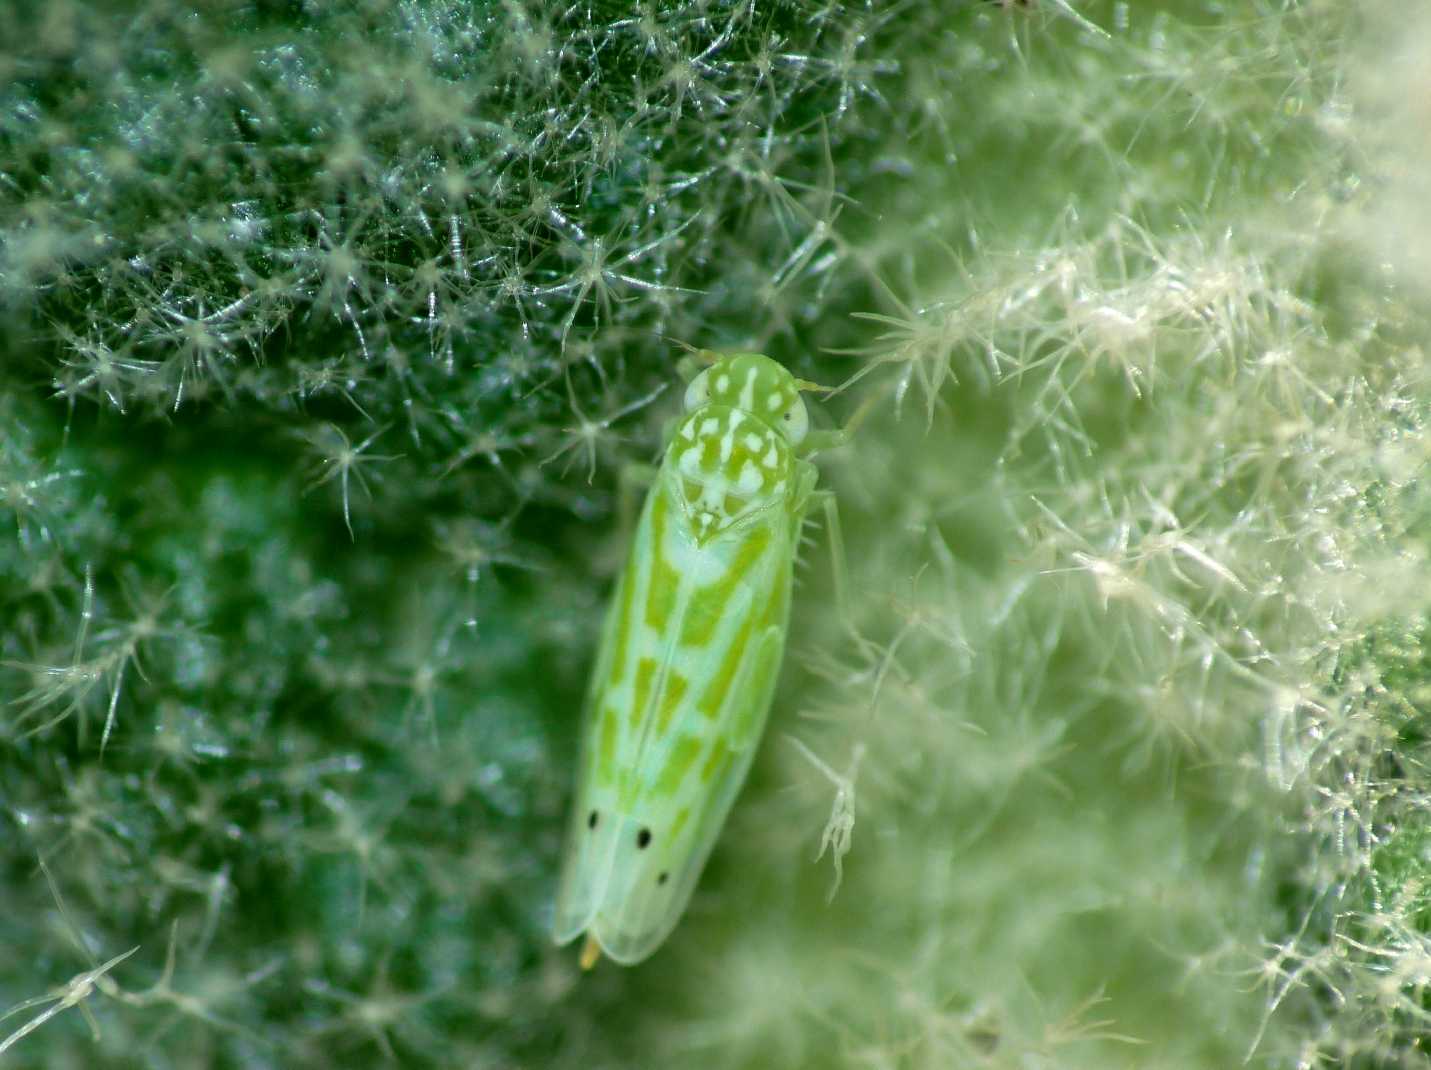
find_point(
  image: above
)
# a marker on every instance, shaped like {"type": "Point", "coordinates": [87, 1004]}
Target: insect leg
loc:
{"type": "Point", "coordinates": [819, 441]}
{"type": "Point", "coordinates": [839, 565]}
{"type": "Point", "coordinates": [839, 569]}
{"type": "Point", "coordinates": [633, 480]}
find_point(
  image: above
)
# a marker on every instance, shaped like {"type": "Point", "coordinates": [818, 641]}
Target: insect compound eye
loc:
{"type": "Point", "coordinates": [699, 392]}
{"type": "Point", "coordinates": [643, 839]}
{"type": "Point", "coordinates": [795, 422]}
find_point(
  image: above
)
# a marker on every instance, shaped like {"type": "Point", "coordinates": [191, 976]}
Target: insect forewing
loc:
{"type": "Point", "coordinates": [687, 777]}
{"type": "Point", "coordinates": [590, 841]}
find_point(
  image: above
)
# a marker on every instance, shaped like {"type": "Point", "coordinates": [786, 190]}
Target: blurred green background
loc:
{"type": "Point", "coordinates": [325, 331]}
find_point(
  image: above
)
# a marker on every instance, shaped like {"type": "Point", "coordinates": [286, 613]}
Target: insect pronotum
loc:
{"type": "Point", "coordinates": [689, 654]}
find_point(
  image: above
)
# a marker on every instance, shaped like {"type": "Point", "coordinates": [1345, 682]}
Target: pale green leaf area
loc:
{"type": "Point", "coordinates": [326, 332]}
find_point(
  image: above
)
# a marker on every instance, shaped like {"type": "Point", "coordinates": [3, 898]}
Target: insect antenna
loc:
{"type": "Point", "coordinates": [805, 386]}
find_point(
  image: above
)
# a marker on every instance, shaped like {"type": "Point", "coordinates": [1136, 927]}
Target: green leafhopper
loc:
{"type": "Point", "coordinates": [688, 655]}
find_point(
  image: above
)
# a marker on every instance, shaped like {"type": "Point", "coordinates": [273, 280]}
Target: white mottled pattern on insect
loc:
{"type": "Point", "coordinates": [730, 465]}
{"type": "Point", "coordinates": [689, 656]}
